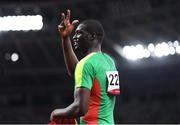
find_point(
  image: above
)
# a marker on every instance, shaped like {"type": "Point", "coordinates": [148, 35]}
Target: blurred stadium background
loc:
{"type": "Point", "coordinates": [141, 35]}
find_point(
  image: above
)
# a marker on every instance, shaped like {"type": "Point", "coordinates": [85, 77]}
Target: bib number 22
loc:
{"type": "Point", "coordinates": [113, 82]}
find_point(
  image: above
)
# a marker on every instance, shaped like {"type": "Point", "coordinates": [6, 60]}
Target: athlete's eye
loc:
{"type": "Point", "coordinates": [78, 32]}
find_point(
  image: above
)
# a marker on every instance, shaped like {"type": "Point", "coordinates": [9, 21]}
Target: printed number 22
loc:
{"type": "Point", "coordinates": [114, 79]}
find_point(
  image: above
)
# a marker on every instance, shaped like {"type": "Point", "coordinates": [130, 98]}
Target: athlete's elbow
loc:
{"type": "Point", "coordinates": [81, 111]}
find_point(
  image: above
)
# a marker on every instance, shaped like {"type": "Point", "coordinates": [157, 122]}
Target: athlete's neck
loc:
{"type": "Point", "coordinates": [96, 48]}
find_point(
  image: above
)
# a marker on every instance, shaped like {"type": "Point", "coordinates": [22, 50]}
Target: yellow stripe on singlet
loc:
{"type": "Point", "coordinates": [79, 70]}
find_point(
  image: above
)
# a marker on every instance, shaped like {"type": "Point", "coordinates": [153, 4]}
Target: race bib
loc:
{"type": "Point", "coordinates": [113, 82]}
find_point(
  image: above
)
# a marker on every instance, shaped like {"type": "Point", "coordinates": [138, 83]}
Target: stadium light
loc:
{"type": "Point", "coordinates": [163, 49]}
{"type": "Point", "coordinates": [178, 49]}
{"type": "Point", "coordinates": [170, 44]}
{"type": "Point", "coordinates": [172, 50]}
{"type": "Point", "coordinates": [135, 52]}
{"type": "Point", "coordinates": [159, 50]}
{"type": "Point", "coordinates": [176, 43]}
{"type": "Point", "coordinates": [128, 52]}
{"type": "Point", "coordinates": [17, 23]}
{"type": "Point", "coordinates": [151, 47]}
{"type": "Point", "coordinates": [139, 49]}
{"type": "Point", "coordinates": [14, 57]}
{"type": "Point", "coordinates": [7, 56]}
{"type": "Point", "coordinates": [147, 54]}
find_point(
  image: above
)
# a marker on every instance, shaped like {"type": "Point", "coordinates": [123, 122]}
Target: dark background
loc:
{"type": "Point", "coordinates": [38, 82]}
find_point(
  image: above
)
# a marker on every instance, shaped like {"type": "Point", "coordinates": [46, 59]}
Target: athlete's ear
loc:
{"type": "Point", "coordinates": [92, 36]}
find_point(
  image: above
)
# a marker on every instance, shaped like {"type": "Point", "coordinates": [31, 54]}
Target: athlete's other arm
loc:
{"type": "Point", "coordinates": [65, 29]}
{"type": "Point", "coordinates": [78, 108]}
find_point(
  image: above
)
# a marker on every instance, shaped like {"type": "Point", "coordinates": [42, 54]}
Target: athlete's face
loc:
{"type": "Point", "coordinates": [80, 38]}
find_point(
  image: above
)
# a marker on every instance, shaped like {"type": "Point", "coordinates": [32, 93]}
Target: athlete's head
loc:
{"type": "Point", "coordinates": [89, 34]}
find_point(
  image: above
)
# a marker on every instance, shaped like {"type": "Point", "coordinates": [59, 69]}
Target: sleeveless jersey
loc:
{"type": "Point", "coordinates": [91, 73]}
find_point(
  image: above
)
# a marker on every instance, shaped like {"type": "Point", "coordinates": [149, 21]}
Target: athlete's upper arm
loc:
{"type": "Point", "coordinates": [81, 97]}
{"type": "Point", "coordinates": [84, 76]}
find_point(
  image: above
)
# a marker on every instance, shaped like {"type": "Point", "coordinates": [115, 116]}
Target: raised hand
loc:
{"type": "Point", "coordinates": [66, 27]}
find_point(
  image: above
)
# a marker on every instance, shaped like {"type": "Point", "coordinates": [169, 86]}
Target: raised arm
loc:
{"type": "Point", "coordinates": [65, 29]}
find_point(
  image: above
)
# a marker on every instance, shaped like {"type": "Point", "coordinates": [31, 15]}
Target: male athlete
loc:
{"type": "Point", "coordinates": [96, 77]}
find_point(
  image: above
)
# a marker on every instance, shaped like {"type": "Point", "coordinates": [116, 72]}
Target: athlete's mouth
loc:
{"type": "Point", "coordinates": [75, 42]}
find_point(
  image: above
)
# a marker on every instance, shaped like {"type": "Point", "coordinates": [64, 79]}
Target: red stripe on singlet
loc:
{"type": "Point", "coordinates": [91, 116]}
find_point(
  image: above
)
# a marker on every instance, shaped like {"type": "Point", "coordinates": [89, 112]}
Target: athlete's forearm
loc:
{"type": "Point", "coordinates": [72, 111]}
{"type": "Point", "coordinates": [70, 57]}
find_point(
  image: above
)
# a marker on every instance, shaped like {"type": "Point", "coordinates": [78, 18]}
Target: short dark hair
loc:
{"type": "Point", "coordinates": [94, 26]}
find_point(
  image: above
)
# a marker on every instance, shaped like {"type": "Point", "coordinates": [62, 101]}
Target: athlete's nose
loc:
{"type": "Point", "coordinates": [74, 37]}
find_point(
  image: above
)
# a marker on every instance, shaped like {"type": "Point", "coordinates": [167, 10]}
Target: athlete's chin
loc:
{"type": "Point", "coordinates": [76, 47]}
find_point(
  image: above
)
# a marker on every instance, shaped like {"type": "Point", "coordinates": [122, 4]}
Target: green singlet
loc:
{"type": "Point", "coordinates": [91, 73]}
